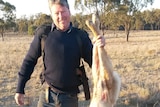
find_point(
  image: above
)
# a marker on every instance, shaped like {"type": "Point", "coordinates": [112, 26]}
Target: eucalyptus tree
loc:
{"type": "Point", "coordinates": [157, 18]}
{"type": "Point", "coordinates": [29, 25]}
{"type": "Point", "coordinates": [149, 18]}
{"type": "Point", "coordinates": [152, 18]}
{"type": "Point", "coordinates": [125, 10]}
{"type": "Point", "coordinates": [102, 7]}
{"type": "Point", "coordinates": [78, 20]}
{"type": "Point", "coordinates": [2, 25]}
{"type": "Point", "coordinates": [42, 18]}
{"type": "Point", "coordinates": [139, 22]}
{"type": "Point", "coordinates": [96, 5]}
{"type": "Point", "coordinates": [7, 16]}
{"type": "Point", "coordinates": [22, 24]}
{"type": "Point", "coordinates": [36, 20]}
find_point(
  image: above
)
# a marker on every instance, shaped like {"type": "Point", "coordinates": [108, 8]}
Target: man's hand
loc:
{"type": "Point", "coordinates": [99, 41]}
{"type": "Point", "coordinates": [19, 98]}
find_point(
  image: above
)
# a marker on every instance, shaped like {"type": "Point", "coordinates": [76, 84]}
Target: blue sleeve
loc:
{"type": "Point", "coordinates": [29, 63]}
{"type": "Point", "coordinates": [87, 48]}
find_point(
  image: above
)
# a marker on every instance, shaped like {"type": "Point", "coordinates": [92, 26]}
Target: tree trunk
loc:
{"type": "Point", "coordinates": [2, 36]}
{"type": "Point", "coordinates": [127, 35]}
{"type": "Point", "coordinates": [127, 30]}
{"type": "Point", "coordinates": [152, 28]}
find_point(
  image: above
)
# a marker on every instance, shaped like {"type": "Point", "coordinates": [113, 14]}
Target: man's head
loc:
{"type": "Point", "coordinates": [60, 13]}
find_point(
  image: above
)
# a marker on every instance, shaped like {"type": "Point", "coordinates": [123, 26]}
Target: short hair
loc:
{"type": "Point", "coordinates": [61, 2]}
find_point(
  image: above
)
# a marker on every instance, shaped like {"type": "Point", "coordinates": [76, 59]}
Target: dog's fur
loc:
{"type": "Point", "coordinates": [106, 81]}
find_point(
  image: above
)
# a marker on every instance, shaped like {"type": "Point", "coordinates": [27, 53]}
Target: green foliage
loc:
{"type": "Point", "coordinates": [7, 16]}
{"type": "Point", "coordinates": [152, 17]}
{"type": "Point", "coordinates": [139, 21]}
{"type": "Point", "coordinates": [112, 14]}
{"type": "Point", "coordinates": [42, 19]}
{"type": "Point", "coordinates": [79, 21]}
{"type": "Point", "coordinates": [31, 29]}
{"type": "Point", "coordinates": [22, 24]}
{"type": "Point", "coordinates": [96, 5]}
{"type": "Point", "coordinates": [120, 12]}
{"type": "Point", "coordinates": [30, 24]}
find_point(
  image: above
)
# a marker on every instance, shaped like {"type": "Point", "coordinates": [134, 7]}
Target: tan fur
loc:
{"type": "Point", "coordinates": [106, 82]}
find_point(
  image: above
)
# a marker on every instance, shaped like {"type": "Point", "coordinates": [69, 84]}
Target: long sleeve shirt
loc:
{"type": "Point", "coordinates": [61, 58]}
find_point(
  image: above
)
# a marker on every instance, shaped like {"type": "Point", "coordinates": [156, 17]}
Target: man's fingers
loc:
{"type": "Point", "coordinates": [19, 98]}
{"type": "Point", "coordinates": [99, 41]}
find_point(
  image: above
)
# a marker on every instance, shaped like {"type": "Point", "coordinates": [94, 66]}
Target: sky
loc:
{"type": "Point", "coordinates": [32, 7]}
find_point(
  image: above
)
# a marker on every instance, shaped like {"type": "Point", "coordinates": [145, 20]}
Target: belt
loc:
{"type": "Point", "coordinates": [61, 93]}
{"type": "Point", "coordinates": [48, 89]}
{"type": "Point", "coordinates": [56, 91]}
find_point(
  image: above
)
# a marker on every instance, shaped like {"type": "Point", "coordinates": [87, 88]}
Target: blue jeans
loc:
{"type": "Point", "coordinates": [57, 99]}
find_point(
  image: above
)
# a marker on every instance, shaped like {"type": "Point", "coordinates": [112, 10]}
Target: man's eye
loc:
{"type": "Point", "coordinates": [56, 13]}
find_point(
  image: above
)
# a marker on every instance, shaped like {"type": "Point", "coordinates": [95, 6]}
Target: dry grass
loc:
{"type": "Point", "coordinates": [137, 62]}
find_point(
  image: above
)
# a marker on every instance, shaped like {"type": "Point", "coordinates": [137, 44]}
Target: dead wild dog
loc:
{"type": "Point", "coordinates": [106, 81]}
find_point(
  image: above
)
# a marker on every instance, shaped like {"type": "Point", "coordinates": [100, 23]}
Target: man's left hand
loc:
{"type": "Point", "coordinates": [99, 41]}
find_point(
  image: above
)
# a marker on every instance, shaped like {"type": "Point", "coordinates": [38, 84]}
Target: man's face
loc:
{"type": "Point", "coordinates": [61, 16]}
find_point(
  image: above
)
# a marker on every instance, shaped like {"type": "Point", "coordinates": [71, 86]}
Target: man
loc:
{"type": "Point", "coordinates": [61, 58]}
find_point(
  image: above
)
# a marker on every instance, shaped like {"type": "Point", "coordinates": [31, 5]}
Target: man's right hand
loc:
{"type": "Point", "coordinates": [19, 98]}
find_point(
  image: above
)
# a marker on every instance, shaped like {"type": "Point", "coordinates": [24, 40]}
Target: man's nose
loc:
{"type": "Point", "coordinates": [60, 14]}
